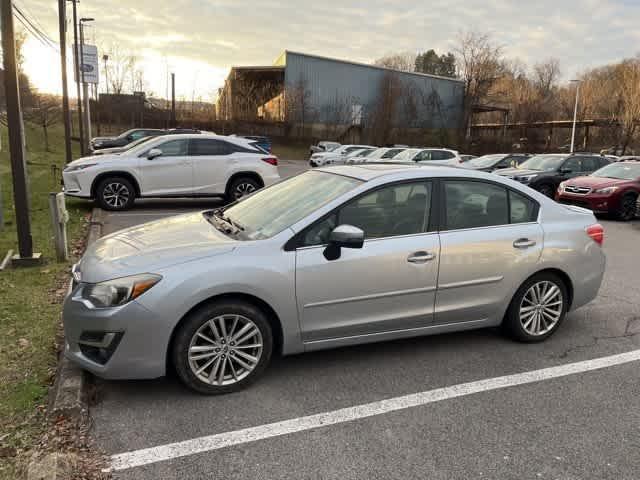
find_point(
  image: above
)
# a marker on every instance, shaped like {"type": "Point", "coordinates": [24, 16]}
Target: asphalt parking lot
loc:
{"type": "Point", "coordinates": [577, 426]}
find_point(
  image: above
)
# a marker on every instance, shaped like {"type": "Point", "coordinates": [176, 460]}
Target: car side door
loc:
{"type": "Point", "coordinates": [386, 286]}
{"type": "Point", "coordinates": [168, 174]}
{"type": "Point", "coordinates": [571, 168]}
{"type": "Point", "coordinates": [490, 242]}
{"type": "Point", "coordinates": [212, 160]}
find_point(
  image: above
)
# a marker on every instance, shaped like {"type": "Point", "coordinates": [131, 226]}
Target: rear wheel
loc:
{"type": "Point", "coordinates": [115, 193]}
{"type": "Point", "coordinates": [627, 208]}
{"type": "Point", "coordinates": [241, 187]}
{"type": "Point", "coordinates": [222, 347]}
{"type": "Point", "coordinates": [537, 309]}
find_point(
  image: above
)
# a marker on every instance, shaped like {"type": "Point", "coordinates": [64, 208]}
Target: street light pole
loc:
{"type": "Point", "coordinates": [575, 114]}
{"type": "Point", "coordinates": [77, 68]}
{"type": "Point", "coordinates": [85, 89]}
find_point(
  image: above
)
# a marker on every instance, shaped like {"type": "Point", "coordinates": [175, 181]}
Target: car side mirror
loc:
{"type": "Point", "coordinates": [153, 153]}
{"type": "Point", "coordinates": [343, 236]}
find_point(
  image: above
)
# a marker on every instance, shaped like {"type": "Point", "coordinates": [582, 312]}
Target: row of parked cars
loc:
{"type": "Point", "coordinates": [601, 183]}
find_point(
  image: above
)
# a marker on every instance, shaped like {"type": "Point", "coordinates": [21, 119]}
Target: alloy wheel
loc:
{"type": "Point", "coordinates": [116, 194]}
{"type": "Point", "coordinates": [541, 308]}
{"type": "Point", "coordinates": [243, 189]}
{"type": "Point", "coordinates": [225, 349]}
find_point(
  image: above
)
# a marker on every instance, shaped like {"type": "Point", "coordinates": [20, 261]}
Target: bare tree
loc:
{"type": "Point", "coordinates": [405, 61]}
{"type": "Point", "coordinates": [546, 75]}
{"type": "Point", "coordinates": [480, 66]}
{"type": "Point", "coordinates": [120, 69]}
{"type": "Point", "coordinates": [630, 96]}
{"type": "Point", "coordinates": [45, 113]}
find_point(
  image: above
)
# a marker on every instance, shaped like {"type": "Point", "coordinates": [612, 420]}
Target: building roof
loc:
{"type": "Point", "coordinates": [375, 67]}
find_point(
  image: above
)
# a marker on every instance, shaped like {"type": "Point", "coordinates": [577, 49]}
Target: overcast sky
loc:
{"type": "Point", "coordinates": [201, 39]}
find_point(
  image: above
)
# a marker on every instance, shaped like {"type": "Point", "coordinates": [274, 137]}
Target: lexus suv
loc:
{"type": "Point", "coordinates": [613, 189]}
{"type": "Point", "coordinates": [181, 165]}
{"type": "Point", "coordinates": [544, 173]}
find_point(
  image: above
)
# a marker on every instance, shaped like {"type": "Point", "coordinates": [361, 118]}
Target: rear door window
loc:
{"type": "Point", "coordinates": [470, 204]}
{"type": "Point", "coordinates": [208, 147]}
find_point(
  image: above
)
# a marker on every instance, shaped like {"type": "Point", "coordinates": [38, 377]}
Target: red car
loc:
{"type": "Point", "coordinates": [613, 189]}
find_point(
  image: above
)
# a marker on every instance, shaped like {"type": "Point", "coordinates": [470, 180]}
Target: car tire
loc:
{"type": "Point", "coordinates": [627, 209]}
{"type": "Point", "coordinates": [115, 193]}
{"type": "Point", "coordinates": [230, 352]}
{"type": "Point", "coordinates": [547, 190]}
{"type": "Point", "coordinates": [241, 187]}
{"type": "Point", "coordinates": [528, 321]}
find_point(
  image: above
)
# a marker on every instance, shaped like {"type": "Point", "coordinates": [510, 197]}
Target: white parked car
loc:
{"type": "Point", "coordinates": [187, 165]}
{"type": "Point", "coordinates": [336, 156]}
{"type": "Point", "coordinates": [382, 154]}
{"type": "Point", "coordinates": [432, 156]}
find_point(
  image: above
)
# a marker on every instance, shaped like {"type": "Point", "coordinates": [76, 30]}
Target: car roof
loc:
{"type": "Point", "coordinates": [372, 170]}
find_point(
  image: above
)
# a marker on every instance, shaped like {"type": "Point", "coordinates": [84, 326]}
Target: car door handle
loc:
{"type": "Point", "coordinates": [420, 257]}
{"type": "Point", "coordinates": [524, 243]}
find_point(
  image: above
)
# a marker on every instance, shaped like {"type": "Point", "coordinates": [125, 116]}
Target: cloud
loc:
{"type": "Point", "coordinates": [206, 36]}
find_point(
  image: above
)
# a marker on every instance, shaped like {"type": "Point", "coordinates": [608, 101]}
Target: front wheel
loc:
{"type": "Point", "coordinates": [115, 193]}
{"type": "Point", "coordinates": [222, 347]}
{"type": "Point", "coordinates": [627, 209]}
{"type": "Point", "coordinates": [537, 309]}
{"type": "Point", "coordinates": [546, 190]}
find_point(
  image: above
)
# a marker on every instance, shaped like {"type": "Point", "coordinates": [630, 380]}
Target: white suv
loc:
{"type": "Point", "coordinates": [187, 165]}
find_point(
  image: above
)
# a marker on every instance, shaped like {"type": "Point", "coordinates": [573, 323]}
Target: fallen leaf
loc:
{"type": "Point", "coordinates": [23, 343]}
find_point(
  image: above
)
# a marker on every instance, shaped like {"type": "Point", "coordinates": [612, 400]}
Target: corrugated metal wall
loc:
{"type": "Point", "coordinates": [335, 89]}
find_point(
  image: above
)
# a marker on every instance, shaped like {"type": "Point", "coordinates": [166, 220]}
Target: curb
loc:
{"type": "Point", "coordinates": [68, 398]}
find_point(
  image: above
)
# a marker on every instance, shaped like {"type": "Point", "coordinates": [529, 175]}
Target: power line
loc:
{"type": "Point", "coordinates": [41, 36]}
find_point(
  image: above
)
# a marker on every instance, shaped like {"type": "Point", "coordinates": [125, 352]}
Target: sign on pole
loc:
{"type": "Point", "coordinates": [89, 63]}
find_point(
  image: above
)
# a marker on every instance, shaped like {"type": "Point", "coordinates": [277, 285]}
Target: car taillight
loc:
{"type": "Point", "coordinates": [596, 232]}
{"type": "Point", "coordinates": [271, 160]}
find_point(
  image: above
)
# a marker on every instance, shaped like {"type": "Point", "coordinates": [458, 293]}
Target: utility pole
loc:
{"type": "Point", "coordinates": [575, 114]}
{"type": "Point", "coordinates": [77, 67]}
{"type": "Point", "coordinates": [25, 256]}
{"type": "Point", "coordinates": [66, 114]}
{"type": "Point", "coordinates": [105, 57]}
{"type": "Point", "coordinates": [173, 99]}
{"type": "Point", "coordinates": [85, 90]}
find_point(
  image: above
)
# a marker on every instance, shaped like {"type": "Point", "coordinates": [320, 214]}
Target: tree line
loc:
{"type": "Point", "coordinates": [532, 93]}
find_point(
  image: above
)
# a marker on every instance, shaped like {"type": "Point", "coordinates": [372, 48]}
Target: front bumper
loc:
{"type": "Point", "coordinates": [127, 342]}
{"type": "Point", "coordinates": [76, 184]}
{"type": "Point", "coordinates": [595, 203]}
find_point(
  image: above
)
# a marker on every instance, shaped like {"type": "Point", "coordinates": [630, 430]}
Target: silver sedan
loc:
{"type": "Point", "coordinates": [332, 257]}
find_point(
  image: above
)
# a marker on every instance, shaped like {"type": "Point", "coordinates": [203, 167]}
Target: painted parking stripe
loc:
{"type": "Point", "coordinates": [208, 443]}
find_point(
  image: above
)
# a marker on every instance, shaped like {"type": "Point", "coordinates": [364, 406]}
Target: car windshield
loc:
{"type": "Point", "coordinates": [127, 133]}
{"type": "Point", "coordinates": [273, 209]}
{"type": "Point", "coordinates": [485, 161]}
{"type": "Point", "coordinates": [135, 143]}
{"type": "Point", "coordinates": [543, 163]}
{"type": "Point", "coordinates": [377, 153]}
{"type": "Point", "coordinates": [621, 171]}
{"type": "Point", "coordinates": [407, 155]}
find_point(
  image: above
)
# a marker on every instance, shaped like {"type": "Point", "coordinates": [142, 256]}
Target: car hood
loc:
{"type": "Point", "coordinates": [152, 246]}
{"type": "Point", "coordinates": [94, 159]}
{"type": "Point", "coordinates": [595, 182]}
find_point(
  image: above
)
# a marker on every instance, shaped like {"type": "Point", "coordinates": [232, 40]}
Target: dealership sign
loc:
{"type": "Point", "coordinates": [89, 64]}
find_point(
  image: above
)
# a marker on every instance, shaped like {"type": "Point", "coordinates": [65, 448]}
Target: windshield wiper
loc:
{"type": "Point", "coordinates": [218, 213]}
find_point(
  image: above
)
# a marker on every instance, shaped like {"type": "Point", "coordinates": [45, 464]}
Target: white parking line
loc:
{"type": "Point", "coordinates": [161, 453]}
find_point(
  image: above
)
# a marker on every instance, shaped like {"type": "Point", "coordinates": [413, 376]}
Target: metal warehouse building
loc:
{"type": "Point", "coordinates": [313, 90]}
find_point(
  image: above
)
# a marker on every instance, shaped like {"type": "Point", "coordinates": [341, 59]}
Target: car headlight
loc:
{"type": "Point", "coordinates": [82, 166]}
{"type": "Point", "coordinates": [606, 190]}
{"type": "Point", "coordinates": [119, 291]}
{"type": "Point", "coordinates": [561, 186]}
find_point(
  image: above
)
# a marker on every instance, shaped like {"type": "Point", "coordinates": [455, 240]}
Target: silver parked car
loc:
{"type": "Point", "coordinates": [335, 256]}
